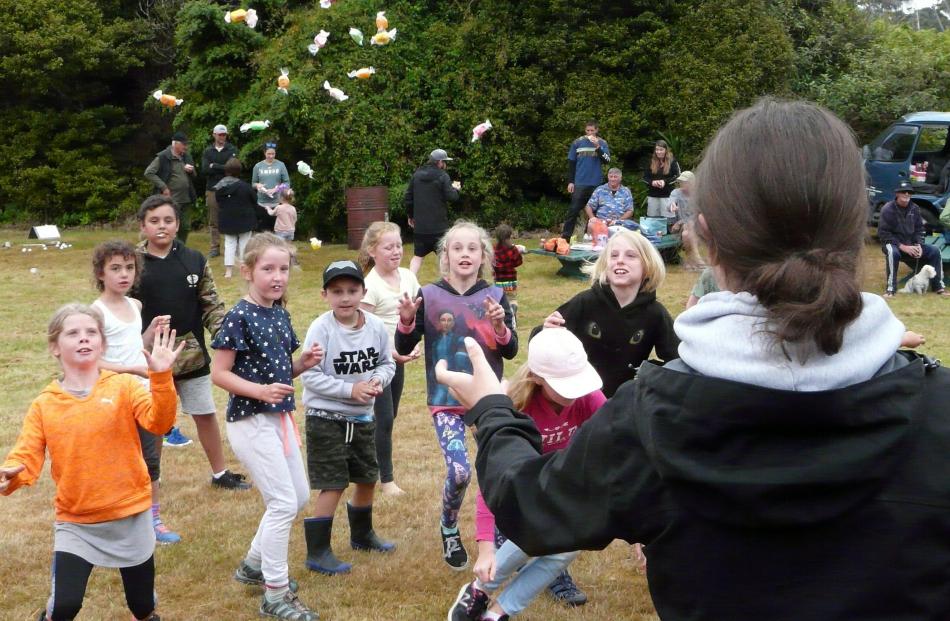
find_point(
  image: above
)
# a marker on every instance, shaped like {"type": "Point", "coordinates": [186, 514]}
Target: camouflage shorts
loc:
{"type": "Point", "coordinates": [340, 453]}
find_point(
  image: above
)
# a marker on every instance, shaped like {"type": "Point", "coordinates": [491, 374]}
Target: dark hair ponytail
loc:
{"type": "Point", "coordinates": [781, 188]}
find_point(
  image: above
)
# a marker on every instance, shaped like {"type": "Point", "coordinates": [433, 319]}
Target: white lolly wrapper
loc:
{"type": "Point", "coordinates": [255, 126]}
{"type": "Point", "coordinates": [335, 92]}
{"type": "Point", "coordinates": [304, 169]}
{"type": "Point", "coordinates": [319, 42]}
{"type": "Point", "coordinates": [356, 35]}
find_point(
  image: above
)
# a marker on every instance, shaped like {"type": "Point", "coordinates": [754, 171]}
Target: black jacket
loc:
{"type": "Point", "coordinates": [900, 225]}
{"type": "Point", "coordinates": [237, 206]}
{"type": "Point", "coordinates": [429, 190]}
{"type": "Point", "coordinates": [213, 161]}
{"type": "Point", "coordinates": [617, 340]}
{"type": "Point", "coordinates": [164, 159]}
{"type": "Point", "coordinates": [755, 504]}
{"type": "Point", "coordinates": [664, 192]}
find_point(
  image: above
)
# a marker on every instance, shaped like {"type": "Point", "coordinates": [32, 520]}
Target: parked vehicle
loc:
{"type": "Point", "coordinates": [917, 149]}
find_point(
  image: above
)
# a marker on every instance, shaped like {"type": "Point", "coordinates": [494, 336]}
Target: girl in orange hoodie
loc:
{"type": "Point", "coordinates": [103, 506]}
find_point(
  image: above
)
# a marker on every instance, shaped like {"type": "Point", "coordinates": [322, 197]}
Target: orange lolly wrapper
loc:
{"type": "Point", "coordinates": [362, 74]}
{"type": "Point", "coordinates": [381, 22]}
{"type": "Point", "coordinates": [167, 100]}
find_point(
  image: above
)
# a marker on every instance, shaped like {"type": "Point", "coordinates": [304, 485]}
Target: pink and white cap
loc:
{"type": "Point", "coordinates": [559, 357]}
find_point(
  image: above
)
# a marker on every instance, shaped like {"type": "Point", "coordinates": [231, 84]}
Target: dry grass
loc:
{"type": "Point", "coordinates": [194, 577]}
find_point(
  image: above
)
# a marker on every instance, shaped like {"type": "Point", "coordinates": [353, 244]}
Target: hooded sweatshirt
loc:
{"type": "Point", "coordinates": [237, 206]}
{"type": "Point", "coordinates": [429, 190]}
{"type": "Point", "coordinates": [617, 340]}
{"type": "Point", "coordinates": [756, 502]}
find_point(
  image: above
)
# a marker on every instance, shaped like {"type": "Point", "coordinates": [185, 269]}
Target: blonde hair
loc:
{"type": "Point", "coordinates": [258, 245]}
{"type": "Point", "coordinates": [522, 386]}
{"type": "Point", "coordinates": [488, 252]}
{"type": "Point", "coordinates": [55, 326]}
{"type": "Point", "coordinates": [654, 270]}
{"type": "Point", "coordinates": [371, 239]}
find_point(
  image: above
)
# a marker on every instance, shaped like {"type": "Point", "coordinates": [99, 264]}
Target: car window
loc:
{"type": "Point", "coordinates": [895, 144]}
{"type": "Point", "coordinates": [932, 138]}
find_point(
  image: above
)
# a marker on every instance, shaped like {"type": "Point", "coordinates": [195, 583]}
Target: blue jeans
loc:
{"type": "Point", "coordinates": [535, 574]}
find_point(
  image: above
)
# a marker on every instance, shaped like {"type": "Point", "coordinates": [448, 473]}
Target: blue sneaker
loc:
{"type": "Point", "coordinates": [163, 534]}
{"type": "Point", "coordinates": [175, 438]}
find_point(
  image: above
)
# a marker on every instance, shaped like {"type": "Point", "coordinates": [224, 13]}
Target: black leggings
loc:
{"type": "Point", "coordinates": [385, 409]}
{"type": "Point", "coordinates": [71, 573]}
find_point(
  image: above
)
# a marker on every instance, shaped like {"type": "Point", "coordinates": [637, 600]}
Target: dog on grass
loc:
{"type": "Point", "coordinates": [921, 281]}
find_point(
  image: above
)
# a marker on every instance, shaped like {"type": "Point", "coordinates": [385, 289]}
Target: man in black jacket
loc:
{"type": "Point", "coordinates": [212, 165]}
{"type": "Point", "coordinates": [901, 231]}
{"type": "Point", "coordinates": [172, 172]}
{"type": "Point", "coordinates": [426, 200]}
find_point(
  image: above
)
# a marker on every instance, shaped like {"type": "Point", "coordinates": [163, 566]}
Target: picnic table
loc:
{"type": "Point", "coordinates": [571, 264]}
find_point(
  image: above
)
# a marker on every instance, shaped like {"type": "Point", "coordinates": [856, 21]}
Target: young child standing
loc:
{"type": "Point", "coordinates": [619, 320]}
{"type": "Point", "coordinates": [176, 281]}
{"type": "Point", "coordinates": [461, 304]}
{"type": "Point", "coordinates": [116, 268]}
{"type": "Point", "coordinates": [339, 395]}
{"type": "Point", "coordinates": [102, 505]}
{"type": "Point", "coordinates": [559, 389]}
{"type": "Point", "coordinates": [254, 362]}
{"type": "Point", "coordinates": [386, 283]}
{"type": "Point", "coordinates": [285, 212]}
{"type": "Point", "coordinates": [507, 259]}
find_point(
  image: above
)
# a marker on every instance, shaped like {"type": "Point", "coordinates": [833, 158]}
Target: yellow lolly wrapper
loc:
{"type": "Point", "coordinates": [283, 81]}
{"type": "Point", "coordinates": [383, 37]}
{"type": "Point", "coordinates": [362, 74]}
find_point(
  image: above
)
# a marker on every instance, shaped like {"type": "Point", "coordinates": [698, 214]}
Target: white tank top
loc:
{"type": "Point", "coordinates": [123, 339]}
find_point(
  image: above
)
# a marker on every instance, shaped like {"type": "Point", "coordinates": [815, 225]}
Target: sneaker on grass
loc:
{"type": "Point", "coordinates": [564, 590]}
{"type": "Point", "coordinates": [231, 480]}
{"type": "Point", "coordinates": [175, 438]}
{"type": "Point", "coordinates": [452, 549]}
{"type": "Point", "coordinates": [163, 534]}
{"type": "Point", "coordinates": [287, 607]}
{"type": "Point", "coordinates": [470, 604]}
{"type": "Point", "coordinates": [255, 577]}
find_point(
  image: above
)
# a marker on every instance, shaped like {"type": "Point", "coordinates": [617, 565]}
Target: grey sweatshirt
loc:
{"type": "Point", "coordinates": [349, 356]}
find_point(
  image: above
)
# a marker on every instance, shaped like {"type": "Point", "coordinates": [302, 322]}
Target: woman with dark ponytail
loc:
{"type": "Point", "coordinates": [790, 464]}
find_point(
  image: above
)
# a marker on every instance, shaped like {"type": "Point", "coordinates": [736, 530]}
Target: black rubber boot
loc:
{"type": "Point", "coordinates": [320, 557]}
{"type": "Point", "coordinates": [362, 535]}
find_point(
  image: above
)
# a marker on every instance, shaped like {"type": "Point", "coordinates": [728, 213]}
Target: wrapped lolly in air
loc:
{"type": "Point", "coordinates": [357, 35]}
{"type": "Point", "coordinates": [361, 74]}
{"type": "Point", "coordinates": [335, 92]}
{"type": "Point", "coordinates": [318, 42]}
{"type": "Point", "coordinates": [480, 129]}
{"type": "Point", "coordinates": [283, 80]}
{"type": "Point", "coordinates": [383, 37]}
{"type": "Point", "coordinates": [237, 16]}
{"type": "Point", "coordinates": [167, 100]}
{"type": "Point", "coordinates": [255, 126]}
{"type": "Point", "coordinates": [381, 22]}
{"type": "Point", "coordinates": [326, 4]}
{"type": "Point", "coordinates": [304, 169]}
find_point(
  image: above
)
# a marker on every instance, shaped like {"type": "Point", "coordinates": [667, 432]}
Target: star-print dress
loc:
{"type": "Point", "coordinates": [264, 342]}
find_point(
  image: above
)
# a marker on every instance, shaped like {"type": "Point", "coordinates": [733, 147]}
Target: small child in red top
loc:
{"type": "Point", "coordinates": [507, 259]}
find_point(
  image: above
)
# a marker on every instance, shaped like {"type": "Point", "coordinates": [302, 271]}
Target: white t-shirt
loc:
{"type": "Point", "coordinates": [385, 299]}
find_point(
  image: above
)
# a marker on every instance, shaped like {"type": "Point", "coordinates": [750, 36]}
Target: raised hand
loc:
{"type": "Point", "coordinates": [554, 320]}
{"type": "Point", "coordinates": [469, 389]}
{"type": "Point", "coordinates": [162, 355]}
{"type": "Point", "coordinates": [274, 393]}
{"type": "Point", "coordinates": [496, 313]}
{"type": "Point", "coordinates": [8, 474]}
{"type": "Point", "coordinates": [311, 357]}
{"type": "Point", "coordinates": [408, 308]}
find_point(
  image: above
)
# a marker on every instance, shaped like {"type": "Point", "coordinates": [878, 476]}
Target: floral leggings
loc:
{"type": "Point", "coordinates": [450, 429]}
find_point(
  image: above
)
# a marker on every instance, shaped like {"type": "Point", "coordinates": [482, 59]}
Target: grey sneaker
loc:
{"type": "Point", "coordinates": [255, 577]}
{"type": "Point", "coordinates": [288, 607]}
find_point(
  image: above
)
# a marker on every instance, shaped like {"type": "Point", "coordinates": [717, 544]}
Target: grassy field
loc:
{"type": "Point", "coordinates": [194, 577]}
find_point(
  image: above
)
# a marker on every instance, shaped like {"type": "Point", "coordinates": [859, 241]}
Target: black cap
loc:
{"type": "Point", "coordinates": [342, 268]}
{"type": "Point", "coordinates": [904, 186]}
{"type": "Point", "coordinates": [180, 137]}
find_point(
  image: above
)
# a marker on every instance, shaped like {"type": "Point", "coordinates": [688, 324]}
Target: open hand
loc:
{"type": "Point", "coordinates": [274, 393]}
{"type": "Point", "coordinates": [311, 357]}
{"type": "Point", "coordinates": [162, 355]}
{"type": "Point", "coordinates": [408, 308]}
{"type": "Point", "coordinates": [554, 320]}
{"type": "Point", "coordinates": [8, 474]}
{"type": "Point", "coordinates": [469, 389]}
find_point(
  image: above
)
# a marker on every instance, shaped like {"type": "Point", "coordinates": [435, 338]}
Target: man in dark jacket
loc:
{"type": "Point", "coordinates": [172, 172]}
{"type": "Point", "coordinates": [426, 200]}
{"type": "Point", "coordinates": [212, 165]}
{"type": "Point", "coordinates": [901, 230]}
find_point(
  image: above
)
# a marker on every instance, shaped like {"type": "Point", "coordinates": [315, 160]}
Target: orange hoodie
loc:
{"type": "Point", "coordinates": [94, 448]}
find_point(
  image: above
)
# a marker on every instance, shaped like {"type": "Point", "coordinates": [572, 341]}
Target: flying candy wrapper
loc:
{"type": "Point", "coordinates": [167, 100]}
{"type": "Point", "coordinates": [318, 42]}
{"type": "Point", "coordinates": [315, 243]}
{"type": "Point", "coordinates": [304, 169]}
{"type": "Point", "coordinates": [283, 81]}
{"type": "Point", "coordinates": [383, 37]}
{"type": "Point", "coordinates": [381, 22]}
{"type": "Point", "coordinates": [255, 125]}
{"type": "Point", "coordinates": [249, 17]}
{"type": "Point", "coordinates": [356, 35]}
{"type": "Point", "coordinates": [335, 92]}
{"type": "Point", "coordinates": [362, 74]}
{"type": "Point", "coordinates": [326, 4]}
{"type": "Point", "coordinates": [480, 129]}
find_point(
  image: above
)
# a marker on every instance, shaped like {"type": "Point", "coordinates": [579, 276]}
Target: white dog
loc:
{"type": "Point", "coordinates": [921, 281]}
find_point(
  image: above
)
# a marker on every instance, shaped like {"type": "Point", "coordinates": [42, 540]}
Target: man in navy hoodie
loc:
{"type": "Point", "coordinates": [901, 230]}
